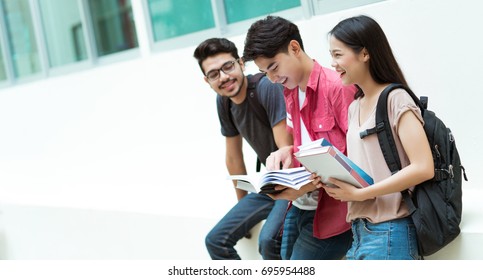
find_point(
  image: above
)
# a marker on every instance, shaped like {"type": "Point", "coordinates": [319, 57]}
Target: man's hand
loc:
{"type": "Point", "coordinates": [282, 156]}
{"type": "Point", "coordinates": [287, 193]}
{"type": "Point", "coordinates": [292, 194]}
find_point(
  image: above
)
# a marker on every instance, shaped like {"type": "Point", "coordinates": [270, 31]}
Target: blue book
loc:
{"type": "Point", "coordinates": [327, 161]}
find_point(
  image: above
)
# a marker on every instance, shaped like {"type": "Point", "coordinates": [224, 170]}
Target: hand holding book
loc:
{"type": "Point", "coordinates": [265, 182]}
{"type": "Point", "coordinates": [291, 194]}
{"type": "Point", "coordinates": [318, 157]}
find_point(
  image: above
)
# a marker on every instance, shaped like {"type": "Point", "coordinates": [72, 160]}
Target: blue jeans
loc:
{"type": "Point", "coordinates": [391, 240]}
{"type": "Point", "coordinates": [298, 242]}
{"type": "Point", "coordinates": [248, 212]}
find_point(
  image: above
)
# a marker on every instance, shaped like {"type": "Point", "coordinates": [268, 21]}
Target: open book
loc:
{"type": "Point", "coordinates": [265, 182]}
{"type": "Point", "coordinates": [327, 161]}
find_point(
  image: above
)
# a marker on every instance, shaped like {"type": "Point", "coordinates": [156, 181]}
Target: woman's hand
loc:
{"type": "Point", "coordinates": [343, 191]}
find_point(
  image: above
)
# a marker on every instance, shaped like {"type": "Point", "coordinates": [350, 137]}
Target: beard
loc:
{"type": "Point", "coordinates": [237, 91]}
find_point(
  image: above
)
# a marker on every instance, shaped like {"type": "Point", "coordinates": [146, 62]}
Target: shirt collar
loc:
{"type": "Point", "coordinates": [313, 81]}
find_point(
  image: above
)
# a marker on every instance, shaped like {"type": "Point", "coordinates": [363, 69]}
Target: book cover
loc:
{"type": "Point", "coordinates": [265, 182]}
{"type": "Point", "coordinates": [327, 161]}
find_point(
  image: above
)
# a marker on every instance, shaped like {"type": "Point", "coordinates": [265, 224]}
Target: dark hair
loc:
{"type": "Point", "coordinates": [270, 36]}
{"type": "Point", "coordinates": [363, 32]}
{"type": "Point", "coordinates": [212, 47]}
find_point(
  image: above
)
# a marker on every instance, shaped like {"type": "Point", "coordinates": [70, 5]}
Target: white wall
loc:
{"type": "Point", "coordinates": [103, 153]}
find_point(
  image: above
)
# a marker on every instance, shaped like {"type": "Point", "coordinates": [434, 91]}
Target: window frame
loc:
{"type": "Point", "coordinates": [348, 4]}
{"type": "Point", "coordinates": [221, 29]}
{"type": "Point", "coordinates": [7, 61]}
{"type": "Point", "coordinates": [6, 51]}
{"type": "Point", "coordinates": [145, 36]}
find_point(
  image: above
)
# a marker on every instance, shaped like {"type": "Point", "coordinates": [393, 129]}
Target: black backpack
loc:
{"type": "Point", "coordinates": [435, 205]}
{"type": "Point", "coordinates": [253, 102]}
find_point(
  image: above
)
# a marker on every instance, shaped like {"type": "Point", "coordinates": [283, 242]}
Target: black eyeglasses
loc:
{"type": "Point", "coordinates": [227, 67]}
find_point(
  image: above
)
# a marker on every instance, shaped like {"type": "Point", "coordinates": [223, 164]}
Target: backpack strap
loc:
{"type": "Point", "coordinates": [384, 132]}
{"type": "Point", "coordinates": [252, 98]}
{"type": "Point", "coordinates": [386, 138]}
{"type": "Point", "coordinates": [253, 103]}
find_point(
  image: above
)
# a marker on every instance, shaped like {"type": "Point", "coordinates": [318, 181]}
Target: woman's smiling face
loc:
{"type": "Point", "coordinates": [351, 66]}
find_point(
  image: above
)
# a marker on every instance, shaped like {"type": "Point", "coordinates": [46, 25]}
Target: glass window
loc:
{"type": "Point", "coordinates": [329, 6]}
{"type": "Point", "coordinates": [113, 25]}
{"type": "Point", "coordinates": [64, 32]}
{"type": "Point", "coordinates": [172, 18]}
{"type": "Point", "coordinates": [241, 10]}
{"type": "Point", "coordinates": [21, 37]}
{"type": "Point", "coordinates": [3, 73]}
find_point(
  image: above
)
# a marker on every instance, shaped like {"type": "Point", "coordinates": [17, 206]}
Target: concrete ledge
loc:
{"type": "Point", "coordinates": [41, 232]}
{"type": "Point", "coordinates": [48, 233]}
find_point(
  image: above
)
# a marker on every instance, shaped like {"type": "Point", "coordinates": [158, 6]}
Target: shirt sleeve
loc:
{"type": "Point", "coordinates": [228, 128]}
{"type": "Point", "coordinates": [400, 102]}
{"type": "Point", "coordinates": [271, 97]}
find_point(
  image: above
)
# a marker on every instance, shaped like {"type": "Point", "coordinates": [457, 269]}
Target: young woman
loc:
{"type": "Point", "coordinates": [381, 226]}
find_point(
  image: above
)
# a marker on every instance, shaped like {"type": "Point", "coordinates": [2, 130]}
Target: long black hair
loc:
{"type": "Point", "coordinates": [363, 32]}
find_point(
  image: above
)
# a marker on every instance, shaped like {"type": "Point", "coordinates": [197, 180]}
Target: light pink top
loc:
{"type": "Point", "coordinates": [367, 154]}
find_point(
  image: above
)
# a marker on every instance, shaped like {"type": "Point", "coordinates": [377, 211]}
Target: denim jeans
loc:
{"type": "Point", "coordinates": [248, 212]}
{"type": "Point", "coordinates": [298, 242]}
{"type": "Point", "coordinates": [391, 240]}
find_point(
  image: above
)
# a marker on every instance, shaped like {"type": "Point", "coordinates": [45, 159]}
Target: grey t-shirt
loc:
{"type": "Point", "coordinates": [244, 120]}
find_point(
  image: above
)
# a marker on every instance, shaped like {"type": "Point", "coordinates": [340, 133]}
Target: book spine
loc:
{"type": "Point", "coordinates": [337, 156]}
{"type": "Point", "coordinates": [358, 174]}
{"type": "Point", "coordinates": [359, 179]}
{"type": "Point", "coordinates": [363, 175]}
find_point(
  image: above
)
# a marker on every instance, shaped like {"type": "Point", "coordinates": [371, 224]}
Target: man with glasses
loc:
{"type": "Point", "coordinates": [223, 71]}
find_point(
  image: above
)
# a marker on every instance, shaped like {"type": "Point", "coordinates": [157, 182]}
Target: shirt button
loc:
{"type": "Point", "coordinates": [320, 126]}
